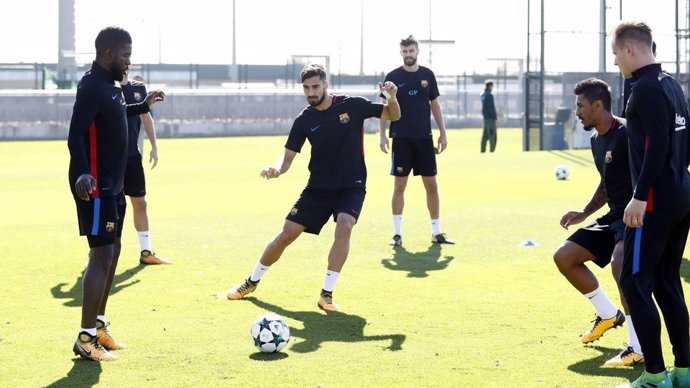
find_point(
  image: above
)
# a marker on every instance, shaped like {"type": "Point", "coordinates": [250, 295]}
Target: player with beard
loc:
{"type": "Point", "coordinates": [413, 144]}
{"type": "Point", "coordinates": [97, 144]}
{"type": "Point", "coordinates": [334, 126]}
{"type": "Point", "coordinates": [602, 240]}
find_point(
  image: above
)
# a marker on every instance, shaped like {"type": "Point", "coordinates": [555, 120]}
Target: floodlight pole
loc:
{"type": "Point", "coordinates": [602, 36]}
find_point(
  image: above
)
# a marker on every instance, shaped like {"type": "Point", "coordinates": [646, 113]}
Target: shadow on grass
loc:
{"type": "Point", "coordinates": [417, 264]}
{"type": "Point", "coordinates": [594, 366]}
{"type": "Point", "coordinates": [74, 294]}
{"type": "Point", "coordinates": [326, 327]}
{"type": "Point", "coordinates": [84, 373]}
{"type": "Point", "coordinates": [260, 356]}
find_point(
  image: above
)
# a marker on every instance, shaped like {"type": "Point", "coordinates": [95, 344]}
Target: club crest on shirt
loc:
{"type": "Point", "coordinates": [609, 156]}
{"type": "Point", "coordinates": [137, 96]}
{"type": "Point", "coordinates": [109, 226]}
{"type": "Point", "coordinates": [425, 83]}
{"type": "Point", "coordinates": [344, 118]}
{"type": "Point", "coordinates": [293, 211]}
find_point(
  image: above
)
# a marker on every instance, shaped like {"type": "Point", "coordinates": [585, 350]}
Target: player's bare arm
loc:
{"type": "Point", "coordinates": [150, 129]}
{"type": "Point", "coordinates": [391, 109]}
{"type": "Point", "coordinates": [598, 200]}
{"type": "Point", "coordinates": [154, 96]}
{"type": "Point", "coordinates": [438, 117]}
{"type": "Point", "coordinates": [281, 167]}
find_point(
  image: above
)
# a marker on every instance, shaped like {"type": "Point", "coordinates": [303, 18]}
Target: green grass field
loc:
{"type": "Point", "coordinates": [485, 312]}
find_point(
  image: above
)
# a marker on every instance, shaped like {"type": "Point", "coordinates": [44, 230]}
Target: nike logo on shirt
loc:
{"type": "Point", "coordinates": [313, 129]}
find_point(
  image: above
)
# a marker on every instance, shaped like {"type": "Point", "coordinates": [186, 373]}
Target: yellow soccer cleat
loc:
{"type": "Point", "coordinates": [241, 290]}
{"type": "Point", "coordinates": [87, 346]}
{"type": "Point", "coordinates": [601, 326]}
{"type": "Point", "coordinates": [326, 302]}
{"type": "Point", "coordinates": [627, 357]}
{"type": "Point", "coordinates": [105, 339]}
{"type": "Point", "coordinates": [149, 258]}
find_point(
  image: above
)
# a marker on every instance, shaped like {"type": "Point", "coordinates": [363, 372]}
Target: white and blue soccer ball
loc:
{"type": "Point", "coordinates": [270, 333]}
{"type": "Point", "coordinates": [562, 172]}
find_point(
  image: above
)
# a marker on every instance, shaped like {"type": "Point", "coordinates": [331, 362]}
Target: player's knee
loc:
{"type": "Point", "coordinates": [562, 258]}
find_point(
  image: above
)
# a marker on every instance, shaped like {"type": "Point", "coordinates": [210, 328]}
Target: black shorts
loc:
{"type": "Point", "coordinates": [101, 219]}
{"type": "Point", "coordinates": [417, 155]}
{"type": "Point", "coordinates": [135, 183]}
{"type": "Point", "coordinates": [599, 238]}
{"type": "Point", "coordinates": [315, 206]}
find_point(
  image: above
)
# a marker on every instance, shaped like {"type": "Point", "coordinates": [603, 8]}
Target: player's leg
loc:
{"type": "Point", "coordinates": [493, 135]}
{"type": "Point", "coordinates": [309, 213]}
{"type": "Point", "coordinates": [97, 221]}
{"type": "Point", "coordinates": [643, 247]}
{"type": "Point", "coordinates": [424, 164]}
{"type": "Point", "coordinates": [632, 353]}
{"type": "Point", "coordinates": [346, 208]}
{"type": "Point", "coordinates": [668, 292]}
{"type": "Point", "coordinates": [401, 165]}
{"type": "Point", "coordinates": [591, 243]}
{"type": "Point", "coordinates": [485, 135]}
{"type": "Point", "coordinates": [104, 337]}
{"type": "Point", "coordinates": [135, 188]}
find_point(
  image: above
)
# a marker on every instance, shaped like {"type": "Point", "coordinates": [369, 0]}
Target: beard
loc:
{"type": "Point", "coordinates": [117, 72]}
{"type": "Point", "coordinates": [586, 127]}
{"type": "Point", "coordinates": [316, 101]}
{"type": "Point", "coordinates": [410, 61]}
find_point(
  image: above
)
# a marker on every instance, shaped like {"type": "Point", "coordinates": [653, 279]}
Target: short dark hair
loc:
{"type": "Point", "coordinates": [594, 89]}
{"type": "Point", "coordinates": [488, 83]}
{"type": "Point", "coordinates": [633, 31]}
{"type": "Point", "coordinates": [112, 38]}
{"type": "Point", "coordinates": [312, 70]}
{"type": "Point", "coordinates": [409, 41]}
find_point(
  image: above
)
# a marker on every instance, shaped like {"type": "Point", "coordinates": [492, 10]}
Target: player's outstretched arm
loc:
{"type": "Point", "coordinates": [281, 167]}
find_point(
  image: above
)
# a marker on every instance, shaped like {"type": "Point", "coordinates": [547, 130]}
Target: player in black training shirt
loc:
{"type": "Point", "coordinates": [334, 126]}
{"type": "Point", "coordinates": [135, 180]}
{"type": "Point", "coordinates": [658, 215]}
{"type": "Point", "coordinates": [413, 145]}
{"type": "Point", "coordinates": [602, 240]}
{"type": "Point", "coordinates": [97, 144]}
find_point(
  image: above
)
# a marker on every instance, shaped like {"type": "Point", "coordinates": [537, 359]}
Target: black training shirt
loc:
{"type": "Point", "coordinates": [415, 91]}
{"type": "Point", "coordinates": [657, 116]}
{"type": "Point", "coordinates": [336, 138]}
{"type": "Point", "coordinates": [134, 92]}
{"type": "Point", "coordinates": [610, 152]}
{"type": "Point", "coordinates": [97, 137]}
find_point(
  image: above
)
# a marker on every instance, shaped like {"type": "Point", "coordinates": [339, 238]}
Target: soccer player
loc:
{"type": "Point", "coordinates": [135, 181]}
{"type": "Point", "coordinates": [658, 215]}
{"type": "Point", "coordinates": [413, 145]}
{"type": "Point", "coordinates": [333, 125]}
{"type": "Point", "coordinates": [602, 240]}
{"type": "Point", "coordinates": [97, 144]}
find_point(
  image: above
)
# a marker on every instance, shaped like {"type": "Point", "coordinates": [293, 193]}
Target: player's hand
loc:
{"type": "Point", "coordinates": [442, 143]}
{"type": "Point", "coordinates": [634, 213]}
{"type": "Point", "coordinates": [154, 96]}
{"type": "Point", "coordinates": [389, 88]}
{"type": "Point", "coordinates": [384, 144]}
{"type": "Point", "coordinates": [84, 186]}
{"type": "Point", "coordinates": [270, 172]}
{"type": "Point", "coordinates": [153, 157]}
{"type": "Point", "coordinates": [572, 218]}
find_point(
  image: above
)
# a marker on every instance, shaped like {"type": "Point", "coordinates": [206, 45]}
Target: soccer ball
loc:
{"type": "Point", "coordinates": [562, 172]}
{"type": "Point", "coordinates": [270, 333]}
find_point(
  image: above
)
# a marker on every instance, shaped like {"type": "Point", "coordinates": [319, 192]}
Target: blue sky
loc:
{"type": "Point", "coordinates": [270, 31]}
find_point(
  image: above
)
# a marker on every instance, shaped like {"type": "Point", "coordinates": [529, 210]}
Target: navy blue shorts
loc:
{"type": "Point", "coordinates": [599, 238]}
{"type": "Point", "coordinates": [315, 206]}
{"type": "Point", "coordinates": [416, 155]}
{"type": "Point", "coordinates": [135, 182]}
{"type": "Point", "coordinates": [101, 219]}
